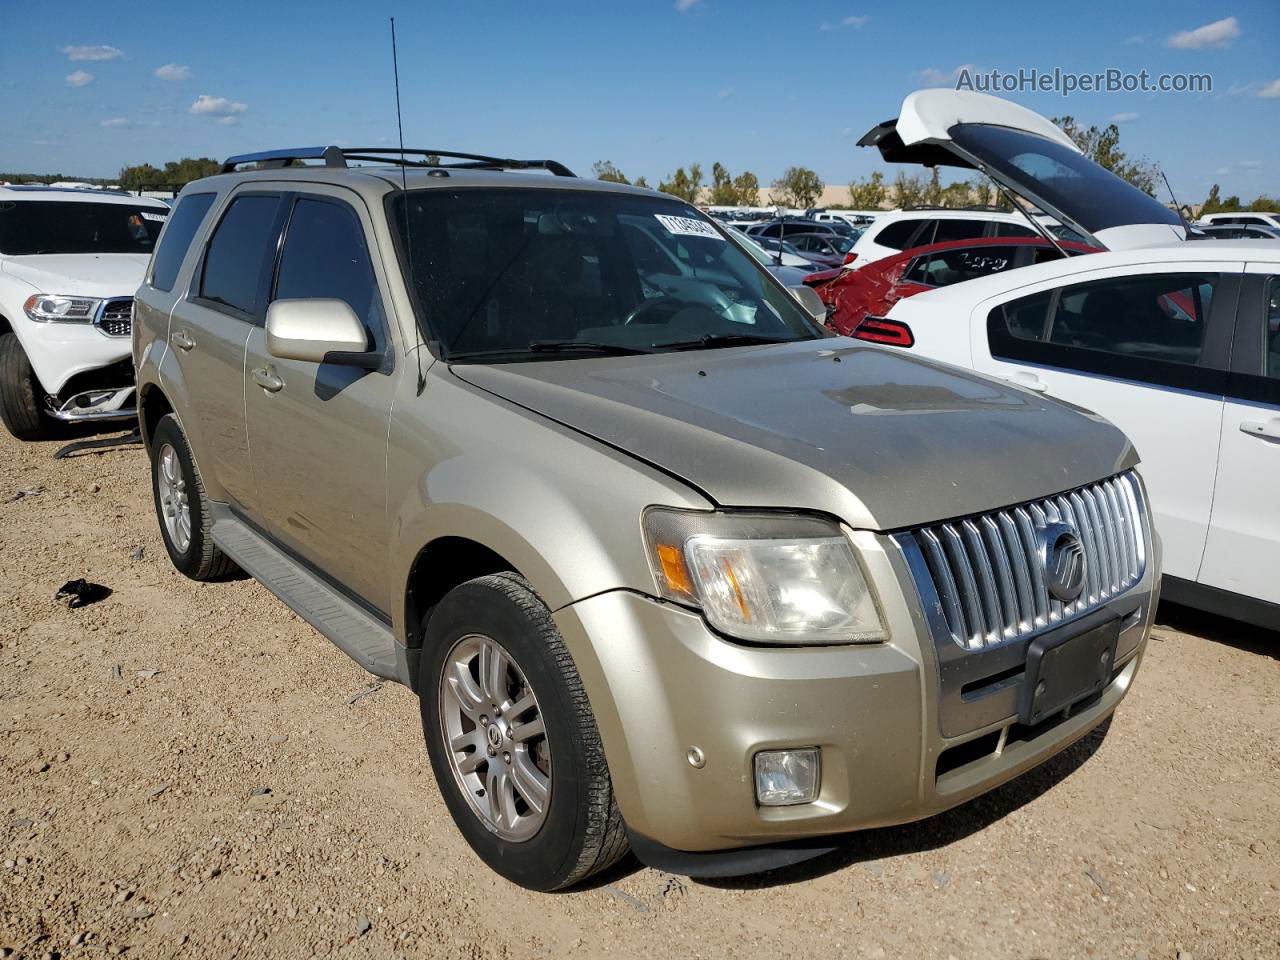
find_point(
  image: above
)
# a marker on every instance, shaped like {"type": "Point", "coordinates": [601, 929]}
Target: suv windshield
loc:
{"type": "Point", "coordinates": [537, 273]}
{"type": "Point", "coordinates": [58, 226]}
{"type": "Point", "coordinates": [1066, 180]}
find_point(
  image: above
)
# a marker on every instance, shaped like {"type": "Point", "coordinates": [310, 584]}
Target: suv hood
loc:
{"type": "Point", "coordinates": [879, 439]}
{"type": "Point", "coordinates": [959, 128]}
{"type": "Point", "coordinates": [81, 274]}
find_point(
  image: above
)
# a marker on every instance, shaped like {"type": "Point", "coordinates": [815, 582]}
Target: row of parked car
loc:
{"type": "Point", "coordinates": [671, 566]}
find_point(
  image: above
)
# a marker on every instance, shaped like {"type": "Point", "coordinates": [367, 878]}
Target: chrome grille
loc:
{"type": "Point", "coordinates": [115, 318]}
{"type": "Point", "coordinates": [989, 573]}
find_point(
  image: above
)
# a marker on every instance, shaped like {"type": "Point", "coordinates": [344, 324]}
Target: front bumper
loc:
{"type": "Point", "coordinates": [661, 683]}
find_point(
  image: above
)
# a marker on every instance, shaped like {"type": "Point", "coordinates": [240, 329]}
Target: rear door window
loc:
{"type": "Point", "coordinates": [176, 240]}
{"type": "Point", "coordinates": [956, 266]}
{"type": "Point", "coordinates": [1150, 327]}
{"type": "Point", "coordinates": [949, 230]}
{"type": "Point", "coordinates": [1013, 230]}
{"type": "Point", "coordinates": [237, 260]}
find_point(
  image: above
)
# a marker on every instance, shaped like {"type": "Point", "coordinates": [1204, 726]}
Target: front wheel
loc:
{"type": "Point", "coordinates": [512, 739]}
{"type": "Point", "coordinates": [20, 393]}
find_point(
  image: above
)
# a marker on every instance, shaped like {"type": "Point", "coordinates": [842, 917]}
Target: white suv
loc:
{"type": "Point", "coordinates": [900, 230]}
{"type": "Point", "coordinates": [1245, 218]}
{"type": "Point", "coordinates": [70, 261]}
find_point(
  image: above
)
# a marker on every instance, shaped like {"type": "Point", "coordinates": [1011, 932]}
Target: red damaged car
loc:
{"type": "Point", "coordinates": [860, 298]}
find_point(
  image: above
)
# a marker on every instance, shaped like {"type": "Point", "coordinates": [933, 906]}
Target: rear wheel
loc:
{"type": "Point", "coordinates": [20, 392]}
{"type": "Point", "coordinates": [512, 739]}
{"type": "Point", "coordinates": [182, 507]}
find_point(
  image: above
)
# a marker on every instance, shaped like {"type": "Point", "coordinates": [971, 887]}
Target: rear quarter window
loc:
{"type": "Point", "coordinates": [176, 239]}
{"type": "Point", "coordinates": [897, 235]}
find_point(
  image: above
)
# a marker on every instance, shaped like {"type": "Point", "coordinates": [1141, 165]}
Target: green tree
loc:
{"type": "Point", "coordinates": [798, 187]}
{"type": "Point", "coordinates": [908, 191]}
{"type": "Point", "coordinates": [182, 172]}
{"type": "Point", "coordinates": [1216, 204]}
{"type": "Point", "coordinates": [1102, 146]}
{"type": "Point", "coordinates": [723, 191]}
{"type": "Point", "coordinates": [605, 170]}
{"type": "Point", "coordinates": [641, 182]}
{"type": "Point", "coordinates": [1265, 204]}
{"type": "Point", "coordinates": [139, 177]}
{"type": "Point", "coordinates": [933, 189]}
{"type": "Point", "coordinates": [684, 185]}
{"type": "Point", "coordinates": [747, 188]}
{"type": "Point", "coordinates": [869, 194]}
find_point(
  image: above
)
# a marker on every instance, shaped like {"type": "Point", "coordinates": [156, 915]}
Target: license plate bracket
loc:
{"type": "Point", "coordinates": [1063, 669]}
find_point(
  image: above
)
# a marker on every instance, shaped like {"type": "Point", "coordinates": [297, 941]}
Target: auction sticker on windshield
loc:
{"type": "Point", "coordinates": [687, 226]}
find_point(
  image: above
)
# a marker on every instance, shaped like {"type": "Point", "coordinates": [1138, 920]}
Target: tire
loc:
{"type": "Point", "coordinates": [20, 393]}
{"type": "Point", "coordinates": [581, 831]}
{"type": "Point", "coordinates": [175, 483]}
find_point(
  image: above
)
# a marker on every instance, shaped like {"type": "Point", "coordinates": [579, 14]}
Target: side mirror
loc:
{"type": "Point", "coordinates": [318, 331]}
{"type": "Point", "coordinates": [811, 302]}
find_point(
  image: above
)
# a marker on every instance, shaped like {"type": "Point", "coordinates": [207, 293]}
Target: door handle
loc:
{"type": "Point", "coordinates": [266, 378]}
{"type": "Point", "coordinates": [1028, 381]}
{"type": "Point", "coordinates": [182, 340]}
{"type": "Point", "coordinates": [1268, 429]}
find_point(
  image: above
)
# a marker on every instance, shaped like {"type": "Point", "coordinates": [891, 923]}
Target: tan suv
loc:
{"type": "Point", "coordinates": [669, 566]}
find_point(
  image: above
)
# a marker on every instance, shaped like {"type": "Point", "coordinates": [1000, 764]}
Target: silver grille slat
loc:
{"type": "Point", "coordinates": [115, 317]}
{"type": "Point", "coordinates": [988, 571]}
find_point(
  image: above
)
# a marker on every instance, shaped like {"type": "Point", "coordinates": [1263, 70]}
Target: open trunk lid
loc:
{"type": "Point", "coordinates": [1028, 155]}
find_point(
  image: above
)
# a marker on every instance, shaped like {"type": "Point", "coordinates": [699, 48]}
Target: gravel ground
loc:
{"type": "Point", "coordinates": [185, 771]}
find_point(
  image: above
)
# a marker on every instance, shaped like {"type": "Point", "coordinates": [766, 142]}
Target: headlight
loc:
{"type": "Point", "coordinates": [767, 578]}
{"type": "Point", "coordinates": [52, 308]}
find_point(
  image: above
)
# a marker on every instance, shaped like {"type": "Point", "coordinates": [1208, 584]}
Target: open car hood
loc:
{"type": "Point", "coordinates": [1028, 155]}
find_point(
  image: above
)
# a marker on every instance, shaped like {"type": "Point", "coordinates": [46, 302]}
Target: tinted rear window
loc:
{"type": "Point", "coordinates": [29, 227]}
{"type": "Point", "coordinates": [897, 235]}
{"type": "Point", "coordinates": [183, 224]}
{"type": "Point", "coordinates": [1096, 198]}
{"type": "Point", "coordinates": [233, 268]}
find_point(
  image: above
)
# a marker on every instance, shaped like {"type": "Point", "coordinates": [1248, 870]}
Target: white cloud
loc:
{"type": "Point", "coordinates": [174, 71]}
{"type": "Point", "coordinates": [1272, 89]}
{"type": "Point", "coordinates": [1126, 117]}
{"type": "Point", "coordinates": [100, 52]}
{"type": "Point", "coordinates": [79, 79]}
{"type": "Point", "coordinates": [1222, 171]}
{"type": "Point", "coordinates": [46, 143]}
{"type": "Point", "coordinates": [726, 93]}
{"type": "Point", "coordinates": [228, 121]}
{"type": "Point", "coordinates": [1220, 33]}
{"type": "Point", "coordinates": [217, 106]}
{"type": "Point", "coordinates": [116, 122]}
{"type": "Point", "coordinates": [684, 6]}
{"type": "Point", "coordinates": [854, 22]}
{"type": "Point", "coordinates": [1136, 40]}
{"type": "Point", "coordinates": [937, 78]}
{"type": "Point", "coordinates": [1250, 164]}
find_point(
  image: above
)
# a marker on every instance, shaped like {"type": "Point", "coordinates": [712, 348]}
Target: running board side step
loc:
{"type": "Point", "coordinates": [364, 638]}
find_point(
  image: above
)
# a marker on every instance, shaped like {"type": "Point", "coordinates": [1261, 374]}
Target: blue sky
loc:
{"type": "Point", "coordinates": [648, 85]}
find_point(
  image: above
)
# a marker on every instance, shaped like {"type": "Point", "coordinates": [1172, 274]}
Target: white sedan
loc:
{"type": "Point", "coordinates": [1179, 346]}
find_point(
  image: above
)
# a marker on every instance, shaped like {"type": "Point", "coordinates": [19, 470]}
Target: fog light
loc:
{"type": "Point", "coordinates": [786, 777]}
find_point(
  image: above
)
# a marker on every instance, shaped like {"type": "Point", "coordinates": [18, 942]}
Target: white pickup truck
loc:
{"type": "Point", "coordinates": [70, 261]}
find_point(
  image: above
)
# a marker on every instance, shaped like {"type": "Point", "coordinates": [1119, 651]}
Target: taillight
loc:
{"type": "Point", "coordinates": [849, 258]}
{"type": "Point", "coordinates": [879, 330]}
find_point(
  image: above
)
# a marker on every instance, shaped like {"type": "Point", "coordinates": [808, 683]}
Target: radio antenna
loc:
{"type": "Point", "coordinates": [1176, 205]}
{"type": "Point", "coordinates": [404, 190]}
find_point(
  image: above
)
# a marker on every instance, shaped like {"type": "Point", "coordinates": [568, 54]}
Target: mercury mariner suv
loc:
{"type": "Point", "coordinates": [70, 260]}
{"type": "Point", "coordinates": [669, 566]}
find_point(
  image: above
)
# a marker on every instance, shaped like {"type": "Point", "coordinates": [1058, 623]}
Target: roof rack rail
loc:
{"type": "Point", "coordinates": [984, 208]}
{"type": "Point", "coordinates": [338, 156]}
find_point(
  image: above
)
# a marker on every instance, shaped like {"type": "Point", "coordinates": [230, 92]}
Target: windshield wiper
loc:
{"type": "Point", "coordinates": [596, 346]}
{"type": "Point", "coordinates": [710, 341]}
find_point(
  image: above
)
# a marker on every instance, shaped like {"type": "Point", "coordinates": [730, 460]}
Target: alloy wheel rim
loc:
{"type": "Point", "coordinates": [495, 738]}
{"type": "Point", "coordinates": [174, 506]}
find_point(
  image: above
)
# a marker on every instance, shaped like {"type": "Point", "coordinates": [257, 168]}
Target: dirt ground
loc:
{"type": "Point", "coordinates": [138, 735]}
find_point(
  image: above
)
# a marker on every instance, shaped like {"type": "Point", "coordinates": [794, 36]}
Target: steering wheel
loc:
{"type": "Point", "coordinates": [653, 303]}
